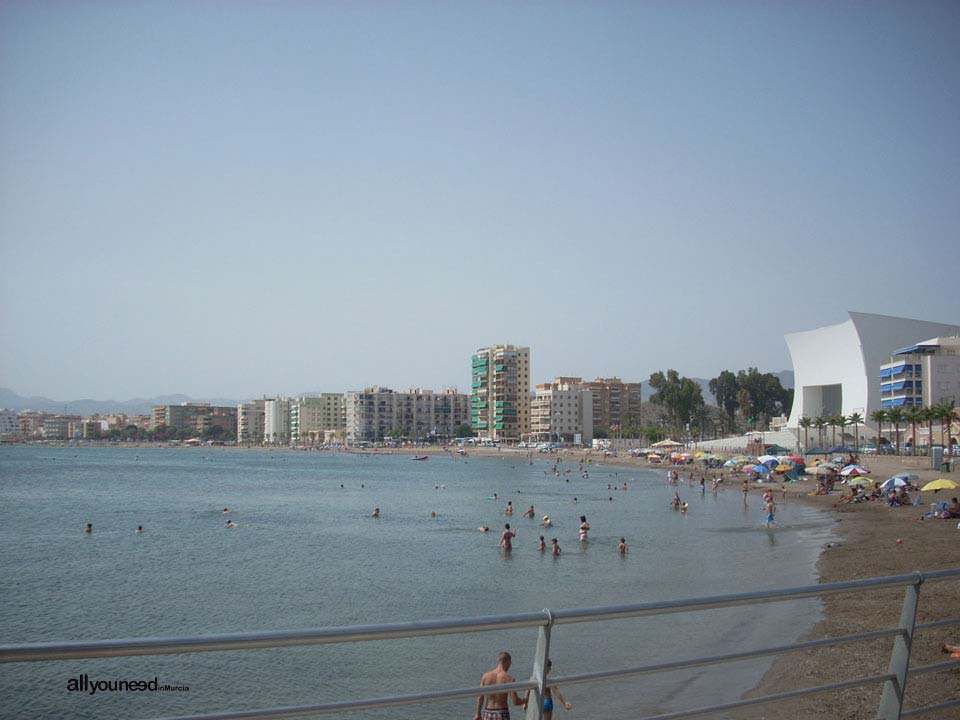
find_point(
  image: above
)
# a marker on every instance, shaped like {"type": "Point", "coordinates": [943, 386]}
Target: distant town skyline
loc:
{"type": "Point", "coordinates": [232, 200]}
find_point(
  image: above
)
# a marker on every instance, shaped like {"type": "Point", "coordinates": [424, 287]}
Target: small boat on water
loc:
{"type": "Point", "coordinates": [421, 457]}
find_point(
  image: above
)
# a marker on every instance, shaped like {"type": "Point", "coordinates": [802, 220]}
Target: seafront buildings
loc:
{"type": "Point", "coordinates": [250, 419]}
{"type": "Point", "coordinates": [197, 418]}
{"type": "Point", "coordinates": [562, 411]}
{"type": "Point", "coordinates": [316, 420]}
{"type": "Point", "coordinates": [500, 392]}
{"type": "Point", "coordinates": [276, 421]}
{"type": "Point", "coordinates": [922, 375]}
{"type": "Point", "coordinates": [9, 423]}
{"type": "Point", "coordinates": [837, 369]}
{"type": "Point", "coordinates": [377, 412]}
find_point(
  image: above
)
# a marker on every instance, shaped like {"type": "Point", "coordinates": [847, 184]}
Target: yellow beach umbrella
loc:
{"type": "Point", "coordinates": [941, 484]}
{"type": "Point", "coordinates": [783, 468]}
{"type": "Point", "coordinates": [860, 481]}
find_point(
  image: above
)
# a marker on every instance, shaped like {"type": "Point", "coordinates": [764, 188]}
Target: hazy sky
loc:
{"type": "Point", "coordinates": [239, 198]}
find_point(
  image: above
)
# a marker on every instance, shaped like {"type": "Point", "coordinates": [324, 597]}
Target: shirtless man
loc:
{"type": "Point", "coordinates": [508, 510]}
{"type": "Point", "coordinates": [529, 513]}
{"type": "Point", "coordinates": [497, 707]}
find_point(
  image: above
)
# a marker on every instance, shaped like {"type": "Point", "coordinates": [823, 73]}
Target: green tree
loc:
{"type": "Point", "coordinates": [463, 431]}
{"type": "Point", "coordinates": [768, 397]}
{"type": "Point", "coordinates": [946, 415]}
{"type": "Point", "coordinates": [879, 417]}
{"type": "Point", "coordinates": [895, 416]}
{"type": "Point", "coordinates": [914, 416]}
{"type": "Point", "coordinates": [725, 388]}
{"type": "Point", "coordinates": [856, 419]}
{"type": "Point", "coordinates": [680, 396]}
{"type": "Point", "coordinates": [820, 423]}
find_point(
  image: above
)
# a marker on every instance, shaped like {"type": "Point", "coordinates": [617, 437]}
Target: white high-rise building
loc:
{"type": "Point", "coordinates": [312, 419]}
{"type": "Point", "coordinates": [276, 421]}
{"type": "Point", "coordinates": [9, 423]}
{"type": "Point", "coordinates": [376, 413]}
{"type": "Point", "coordinates": [250, 421]}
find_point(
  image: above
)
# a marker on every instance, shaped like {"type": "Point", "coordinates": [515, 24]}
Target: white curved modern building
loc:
{"type": "Point", "coordinates": [837, 368]}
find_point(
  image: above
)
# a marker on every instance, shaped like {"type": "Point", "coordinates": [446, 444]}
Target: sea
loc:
{"type": "Point", "coordinates": [306, 553]}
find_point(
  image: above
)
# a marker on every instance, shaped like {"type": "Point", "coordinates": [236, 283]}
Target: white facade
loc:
{"type": "Point", "coordinates": [837, 368]}
{"type": "Point", "coordinates": [276, 421]}
{"type": "Point", "coordinates": [560, 411]}
{"type": "Point", "coordinates": [311, 418]}
{"type": "Point", "coordinates": [9, 423]}
{"type": "Point", "coordinates": [379, 412]}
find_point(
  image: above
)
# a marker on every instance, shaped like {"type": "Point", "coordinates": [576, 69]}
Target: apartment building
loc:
{"type": "Point", "coordinates": [31, 423]}
{"type": "Point", "coordinates": [194, 417]}
{"type": "Point", "coordinates": [276, 421]}
{"type": "Point", "coordinates": [500, 392]}
{"type": "Point", "coordinates": [378, 412]}
{"type": "Point", "coordinates": [921, 375]}
{"type": "Point", "coordinates": [62, 427]}
{"type": "Point", "coordinates": [313, 419]}
{"type": "Point", "coordinates": [562, 411]}
{"type": "Point", "coordinates": [251, 417]}
{"type": "Point", "coordinates": [9, 423]}
{"type": "Point", "coordinates": [615, 403]}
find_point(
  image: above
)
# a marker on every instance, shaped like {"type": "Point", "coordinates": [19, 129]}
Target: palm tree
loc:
{"type": "Point", "coordinates": [856, 420]}
{"type": "Point", "coordinates": [836, 421]}
{"type": "Point", "coordinates": [913, 416]}
{"type": "Point", "coordinates": [805, 423]}
{"type": "Point", "coordinates": [820, 423]}
{"type": "Point", "coordinates": [895, 416]}
{"type": "Point", "coordinates": [946, 416]}
{"type": "Point", "coordinates": [879, 417]}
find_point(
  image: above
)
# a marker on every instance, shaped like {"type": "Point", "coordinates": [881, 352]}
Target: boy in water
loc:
{"type": "Point", "coordinates": [556, 547]}
{"type": "Point", "coordinates": [622, 547]}
{"type": "Point", "coordinates": [542, 545]}
{"type": "Point", "coordinates": [771, 511]}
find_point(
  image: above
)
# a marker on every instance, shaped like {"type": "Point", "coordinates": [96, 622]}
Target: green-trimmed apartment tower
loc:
{"type": "Point", "coordinates": [500, 393]}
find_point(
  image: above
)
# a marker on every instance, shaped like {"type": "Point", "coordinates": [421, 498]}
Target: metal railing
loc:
{"type": "Point", "coordinates": [890, 708]}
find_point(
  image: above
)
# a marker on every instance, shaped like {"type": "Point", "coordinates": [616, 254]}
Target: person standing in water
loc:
{"type": "Point", "coordinates": [494, 706]}
{"type": "Point", "coordinates": [89, 528]}
{"type": "Point", "coordinates": [542, 545]}
{"type": "Point", "coordinates": [622, 549]}
{"type": "Point", "coordinates": [771, 511]}
{"type": "Point", "coordinates": [584, 528]}
{"type": "Point", "coordinates": [555, 547]}
{"type": "Point", "coordinates": [548, 695]}
{"type": "Point", "coordinates": [509, 509]}
{"type": "Point", "coordinates": [506, 538]}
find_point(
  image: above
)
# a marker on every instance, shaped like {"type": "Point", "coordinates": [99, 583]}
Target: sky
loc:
{"type": "Point", "coordinates": [232, 199]}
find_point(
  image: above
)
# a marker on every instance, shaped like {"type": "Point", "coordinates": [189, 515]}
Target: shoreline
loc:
{"type": "Point", "coordinates": [867, 547]}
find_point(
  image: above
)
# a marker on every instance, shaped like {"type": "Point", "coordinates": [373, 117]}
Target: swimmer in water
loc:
{"type": "Point", "coordinates": [506, 538]}
{"type": "Point", "coordinates": [547, 522]}
{"type": "Point", "coordinates": [376, 513]}
{"type": "Point", "coordinates": [226, 511]}
{"type": "Point", "coordinates": [622, 547]}
{"type": "Point", "coordinates": [484, 528]}
{"type": "Point", "coordinates": [541, 545]}
{"type": "Point", "coordinates": [529, 513]}
{"type": "Point", "coordinates": [89, 528]}
{"type": "Point", "coordinates": [433, 513]}
{"type": "Point", "coordinates": [139, 529]}
{"type": "Point", "coordinates": [231, 524]}
{"type": "Point", "coordinates": [555, 547]}
{"type": "Point", "coordinates": [508, 510]}
{"type": "Point", "coordinates": [584, 528]}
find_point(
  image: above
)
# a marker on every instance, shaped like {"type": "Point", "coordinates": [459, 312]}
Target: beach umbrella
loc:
{"type": "Point", "coordinates": [892, 483]}
{"type": "Point", "coordinates": [908, 476]}
{"type": "Point", "coordinates": [940, 484]}
{"type": "Point", "coordinates": [853, 470]}
{"type": "Point", "coordinates": [761, 468]}
{"type": "Point", "coordinates": [796, 459]}
{"type": "Point", "coordinates": [766, 458]}
{"type": "Point", "coordinates": [860, 481]}
{"type": "Point", "coordinates": [783, 468]}
{"type": "Point", "coordinates": [730, 463]}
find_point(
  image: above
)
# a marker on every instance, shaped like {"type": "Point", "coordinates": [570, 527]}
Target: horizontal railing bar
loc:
{"type": "Point", "coordinates": [717, 659]}
{"type": "Point", "coordinates": [351, 705]}
{"type": "Point", "coordinates": [772, 698]}
{"type": "Point", "coordinates": [930, 708]}
{"type": "Point", "coordinates": [937, 624]}
{"type": "Point", "coordinates": [665, 607]}
{"type": "Point", "coordinates": [29, 652]}
{"type": "Point", "coordinates": [935, 667]}
{"type": "Point", "coordinates": [24, 652]}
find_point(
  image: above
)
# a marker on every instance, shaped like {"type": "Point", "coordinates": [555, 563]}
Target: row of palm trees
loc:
{"type": "Point", "coordinates": [941, 412]}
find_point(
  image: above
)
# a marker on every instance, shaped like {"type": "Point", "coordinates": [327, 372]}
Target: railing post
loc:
{"type": "Point", "coordinates": [891, 701]}
{"type": "Point", "coordinates": [535, 706]}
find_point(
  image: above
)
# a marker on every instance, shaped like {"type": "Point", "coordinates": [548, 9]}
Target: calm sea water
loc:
{"type": "Point", "coordinates": [307, 554]}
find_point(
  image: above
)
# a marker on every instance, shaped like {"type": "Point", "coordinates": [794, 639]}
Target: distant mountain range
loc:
{"type": "Point", "coordinates": [141, 406]}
